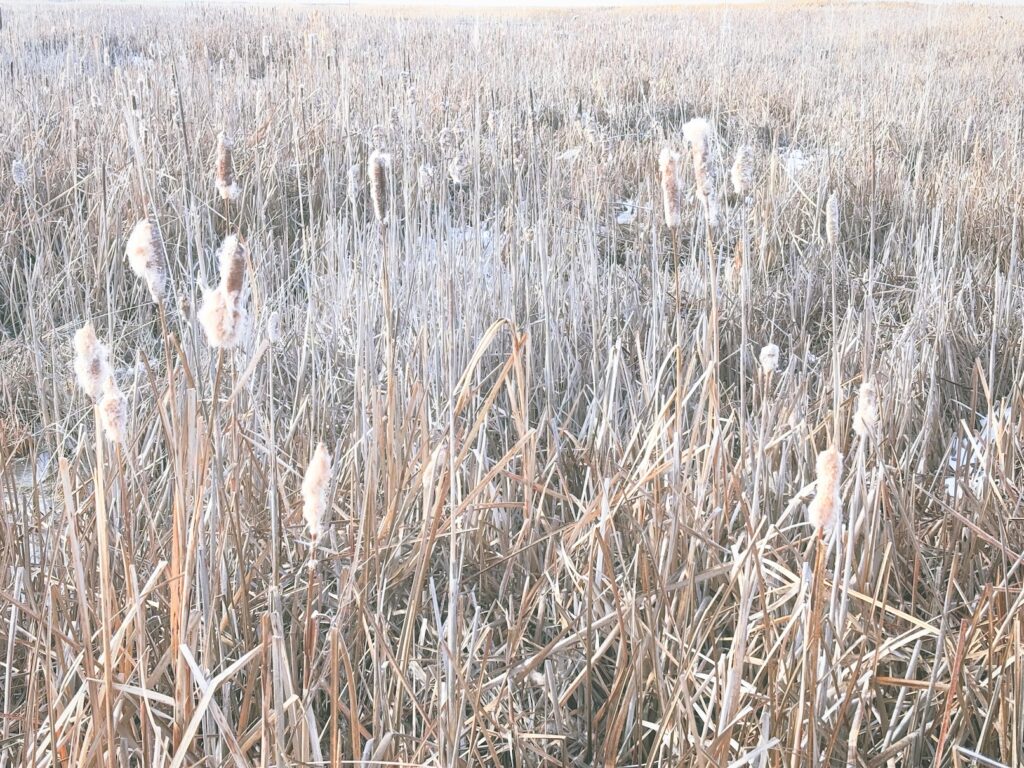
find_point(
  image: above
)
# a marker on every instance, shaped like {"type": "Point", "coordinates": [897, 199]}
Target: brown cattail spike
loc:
{"type": "Point", "coordinates": [227, 185]}
{"type": "Point", "coordinates": [670, 166]}
{"type": "Point", "coordinates": [377, 169]}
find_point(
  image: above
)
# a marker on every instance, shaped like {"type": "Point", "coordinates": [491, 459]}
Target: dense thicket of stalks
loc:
{"type": "Point", "coordinates": [565, 511]}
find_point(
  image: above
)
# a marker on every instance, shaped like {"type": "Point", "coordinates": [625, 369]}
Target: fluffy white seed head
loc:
{"type": "Point", "coordinates": [92, 361]}
{"type": "Point", "coordinates": [377, 169]}
{"type": "Point", "coordinates": [223, 315]}
{"type": "Point", "coordinates": [701, 137]}
{"type": "Point", "coordinates": [223, 318]}
{"type": "Point", "coordinates": [19, 173]}
{"type": "Point", "coordinates": [670, 167]}
{"type": "Point", "coordinates": [274, 327]}
{"type": "Point", "coordinates": [145, 258]}
{"type": "Point", "coordinates": [865, 418]}
{"type": "Point", "coordinates": [458, 170]}
{"type": "Point", "coordinates": [743, 171]}
{"type": "Point", "coordinates": [314, 490]}
{"type": "Point", "coordinates": [114, 412]}
{"type": "Point", "coordinates": [769, 358]}
{"type": "Point", "coordinates": [824, 510]}
{"type": "Point", "coordinates": [832, 220]}
{"type": "Point", "coordinates": [224, 176]}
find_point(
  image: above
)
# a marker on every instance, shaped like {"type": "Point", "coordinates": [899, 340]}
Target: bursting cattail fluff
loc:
{"type": "Point", "coordinates": [145, 258]}
{"type": "Point", "coordinates": [114, 412]}
{"type": "Point", "coordinates": [743, 171]}
{"type": "Point", "coordinates": [223, 315]}
{"type": "Point", "coordinates": [865, 418]}
{"type": "Point", "coordinates": [824, 509]}
{"type": "Point", "coordinates": [232, 260]}
{"type": "Point", "coordinates": [92, 361]}
{"type": "Point", "coordinates": [314, 490]}
{"type": "Point", "coordinates": [700, 135]}
{"type": "Point", "coordinates": [769, 358]}
{"type": "Point", "coordinates": [832, 220]}
{"type": "Point", "coordinates": [458, 170]}
{"type": "Point", "coordinates": [377, 168]}
{"type": "Point", "coordinates": [669, 164]}
{"type": "Point", "coordinates": [227, 185]}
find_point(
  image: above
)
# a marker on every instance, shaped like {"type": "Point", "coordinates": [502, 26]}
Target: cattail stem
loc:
{"type": "Point", "coordinates": [106, 603]}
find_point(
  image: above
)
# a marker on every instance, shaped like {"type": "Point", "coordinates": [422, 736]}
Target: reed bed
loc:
{"type": "Point", "coordinates": [360, 406]}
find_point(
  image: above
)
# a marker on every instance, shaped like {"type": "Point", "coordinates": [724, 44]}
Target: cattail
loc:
{"type": "Point", "coordinates": [223, 318]}
{"type": "Point", "coordinates": [232, 259]}
{"type": "Point", "coordinates": [92, 366]}
{"type": "Point", "coordinates": [832, 220]}
{"type": "Point", "coordinates": [700, 135]}
{"type": "Point", "coordinates": [354, 183]}
{"type": "Point", "coordinates": [865, 418]}
{"type": "Point", "coordinates": [19, 173]}
{"type": "Point", "coordinates": [274, 327]}
{"type": "Point", "coordinates": [458, 170]}
{"type": "Point", "coordinates": [223, 314]}
{"type": "Point", "coordinates": [145, 258]}
{"type": "Point", "coordinates": [377, 169]}
{"type": "Point", "coordinates": [314, 490]}
{"type": "Point", "coordinates": [114, 412]}
{"type": "Point", "coordinates": [824, 510]}
{"type": "Point", "coordinates": [769, 358]}
{"type": "Point", "coordinates": [669, 164]}
{"type": "Point", "coordinates": [225, 171]}
{"type": "Point", "coordinates": [743, 171]}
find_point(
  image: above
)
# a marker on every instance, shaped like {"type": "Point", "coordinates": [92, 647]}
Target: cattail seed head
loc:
{"type": "Point", "coordinates": [19, 173]}
{"type": "Point", "coordinates": [144, 252]}
{"type": "Point", "coordinates": [216, 316]}
{"type": "Point", "coordinates": [701, 136]}
{"type": "Point", "coordinates": [865, 418]}
{"type": "Point", "coordinates": [458, 170]}
{"type": "Point", "coordinates": [670, 166]}
{"type": "Point", "coordinates": [274, 327]}
{"type": "Point", "coordinates": [314, 490]}
{"type": "Point", "coordinates": [832, 220]}
{"type": "Point", "coordinates": [223, 315]}
{"type": "Point", "coordinates": [114, 412]}
{"type": "Point", "coordinates": [769, 358]}
{"type": "Point", "coordinates": [743, 171]}
{"type": "Point", "coordinates": [232, 258]}
{"type": "Point", "coordinates": [224, 179]}
{"type": "Point", "coordinates": [92, 361]}
{"type": "Point", "coordinates": [377, 169]}
{"type": "Point", "coordinates": [824, 510]}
